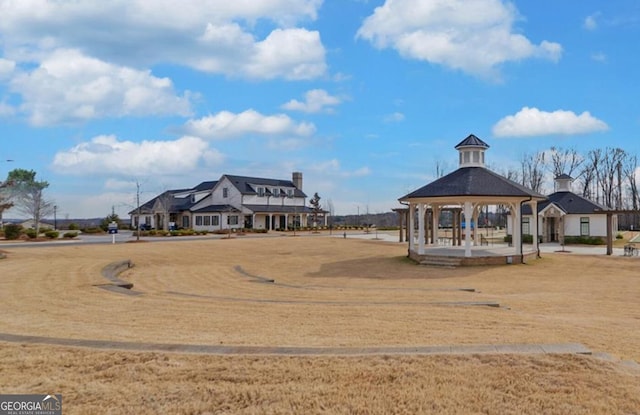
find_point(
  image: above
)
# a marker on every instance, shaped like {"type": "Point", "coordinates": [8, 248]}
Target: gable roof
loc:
{"type": "Point", "coordinates": [473, 181]}
{"type": "Point", "coordinates": [246, 185]}
{"type": "Point", "coordinates": [570, 203]}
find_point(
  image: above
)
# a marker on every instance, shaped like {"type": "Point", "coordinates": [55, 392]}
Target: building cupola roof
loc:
{"type": "Point", "coordinates": [471, 151]}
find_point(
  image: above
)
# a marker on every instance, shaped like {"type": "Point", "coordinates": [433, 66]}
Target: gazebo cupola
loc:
{"type": "Point", "coordinates": [471, 151]}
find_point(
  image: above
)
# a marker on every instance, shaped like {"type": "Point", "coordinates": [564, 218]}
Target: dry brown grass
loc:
{"type": "Point", "coordinates": [328, 292]}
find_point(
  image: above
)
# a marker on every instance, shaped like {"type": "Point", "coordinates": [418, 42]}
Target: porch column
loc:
{"type": "Point", "coordinates": [468, 213]}
{"type": "Point", "coordinates": [411, 226]}
{"type": "Point", "coordinates": [400, 222]}
{"type": "Point", "coordinates": [270, 221]}
{"type": "Point", "coordinates": [421, 212]}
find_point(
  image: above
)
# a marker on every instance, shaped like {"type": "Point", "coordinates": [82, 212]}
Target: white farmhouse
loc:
{"type": "Point", "coordinates": [232, 202]}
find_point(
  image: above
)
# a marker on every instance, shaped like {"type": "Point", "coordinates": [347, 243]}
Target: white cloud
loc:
{"type": "Point", "coordinates": [6, 68]}
{"type": "Point", "coordinates": [71, 87]}
{"type": "Point", "coordinates": [217, 36]}
{"type": "Point", "coordinates": [226, 124]}
{"type": "Point", "coordinates": [332, 168]}
{"type": "Point", "coordinates": [394, 117]}
{"type": "Point", "coordinates": [599, 57]}
{"type": "Point", "coordinates": [6, 110]}
{"type": "Point", "coordinates": [316, 100]}
{"type": "Point", "coordinates": [530, 122]}
{"type": "Point", "coordinates": [474, 37]}
{"type": "Point", "coordinates": [105, 154]}
{"type": "Point", "coordinates": [590, 22]}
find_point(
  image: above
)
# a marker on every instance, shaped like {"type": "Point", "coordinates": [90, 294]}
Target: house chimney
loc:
{"type": "Point", "coordinates": [296, 178]}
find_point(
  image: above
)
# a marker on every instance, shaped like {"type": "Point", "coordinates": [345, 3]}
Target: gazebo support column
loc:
{"type": "Point", "coordinates": [517, 228]}
{"type": "Point", "coordinates": [468, 213]}
{"type": "Point", "coordinates": [475, 225]}
{"type": "Point", "coordinates": [435, 215]}
{"type": "Point", "coordinates": [411, 226]}
{"type": "Point", "coordinates": [534, 229]}
{"type": "Point", "coordinates": [421, 212]}
{"type": "Point", "coordinates": [459, 230]}
{"type": "Point", "coordinates": [401, 216]}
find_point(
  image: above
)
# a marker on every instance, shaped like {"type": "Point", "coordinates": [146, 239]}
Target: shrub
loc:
{"type": "Point", "coordinates": [619, 236]}
{"type": "Point", "coordinates": [52, 234]}
{"type": "Point", "coordinates": [12, 231]}
{"type": "Point", "coordinates": [583, 240]}
{"type": "Point", "coordinates": [92, 230]}
{"type": "Point", "coordinates": [508, 239]}
{"type": "Point", "coordinates": [70, 235]}
{"type": "Point", "coordinates": [73, 227]}
{"type": "Point", "coordinates": [31, 233]}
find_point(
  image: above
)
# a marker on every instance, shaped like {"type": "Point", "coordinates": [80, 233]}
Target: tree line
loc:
{"type": "Point", "coordinates": [607, 176]}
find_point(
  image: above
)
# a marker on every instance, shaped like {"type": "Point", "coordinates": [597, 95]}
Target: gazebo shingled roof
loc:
{"type": "Point", "coordinates": [472, 181]}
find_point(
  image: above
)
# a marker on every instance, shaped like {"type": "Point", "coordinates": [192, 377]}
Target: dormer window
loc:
{"type": "Point", "coordinates": [276, 192]}
{"type": "Point", "coordinates": [261, 191]}
{"type": "Point", "coordinates": [290, 192]}
{"type": "Point", "coordinates": [225, 192]}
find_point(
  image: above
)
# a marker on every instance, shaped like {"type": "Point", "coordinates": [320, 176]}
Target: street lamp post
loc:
{"type": "Point", "coordinates": [55, 217]}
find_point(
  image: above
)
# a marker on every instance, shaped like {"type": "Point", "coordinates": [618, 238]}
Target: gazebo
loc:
{"type": "Point", "coordinates": [465, 193]}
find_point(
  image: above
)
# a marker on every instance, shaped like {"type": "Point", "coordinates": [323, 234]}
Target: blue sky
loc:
{"type": "Point", "coordinates": [364, 97]}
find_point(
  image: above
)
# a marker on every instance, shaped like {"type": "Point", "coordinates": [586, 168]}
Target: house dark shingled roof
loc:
{"type": "Point", "coordinates": [244, 184]}
{"type": "Point", "coordinates": [570, 203]}
{"type": "Point", "coordinates": [472, 181]}
{"type": "Point", "coordinates": [205, 186]}
{"type": "Point", "coordinates": [470, 141]}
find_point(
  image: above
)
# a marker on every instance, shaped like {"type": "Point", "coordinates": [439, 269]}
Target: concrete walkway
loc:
{"type": "Point", "coordinates": [558, 348]}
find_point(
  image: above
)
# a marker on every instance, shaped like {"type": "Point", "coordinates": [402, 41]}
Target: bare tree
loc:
{"type": "Point", "coordinates": [316, 208]}
{"type": "Point", "coordinates": [589, 174]}
{"type": "Point", "coordinates": [609, 176]}
{"type": "Point", "coordinates": [565, 161]}
{"type": "Point", "coordinates": [629, 169]}
{"type": "Point", "coordinates": [533, 167]}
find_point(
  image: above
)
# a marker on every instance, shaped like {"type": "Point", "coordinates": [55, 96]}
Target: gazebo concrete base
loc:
{"type": "Point", "coordinates": [454, 256]}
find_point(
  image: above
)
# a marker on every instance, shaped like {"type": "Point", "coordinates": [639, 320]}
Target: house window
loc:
{"type": "Point", "coordinates": [276, 192]}
{"type": "Point", "coordinates": [232, 220]}
{"type": "Point", "coordinates": [261, 191]}
{"type": "Point", "coordinates": [198, 220]}
{"type": "Point", "coordinates": [215, 220]}
{"type": "Point", "coordinates": [185, 222]}
{"type": "Point", "coordinates": [225, 192]}
{"type": "Point", "coordinates": [290, 192]}
{"type": "Point", "coordinates": [584, 226]}
{"type": "Point", "coordinates": [526, 226]}
{"type": "Point", "coordinates": [207, 221]}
